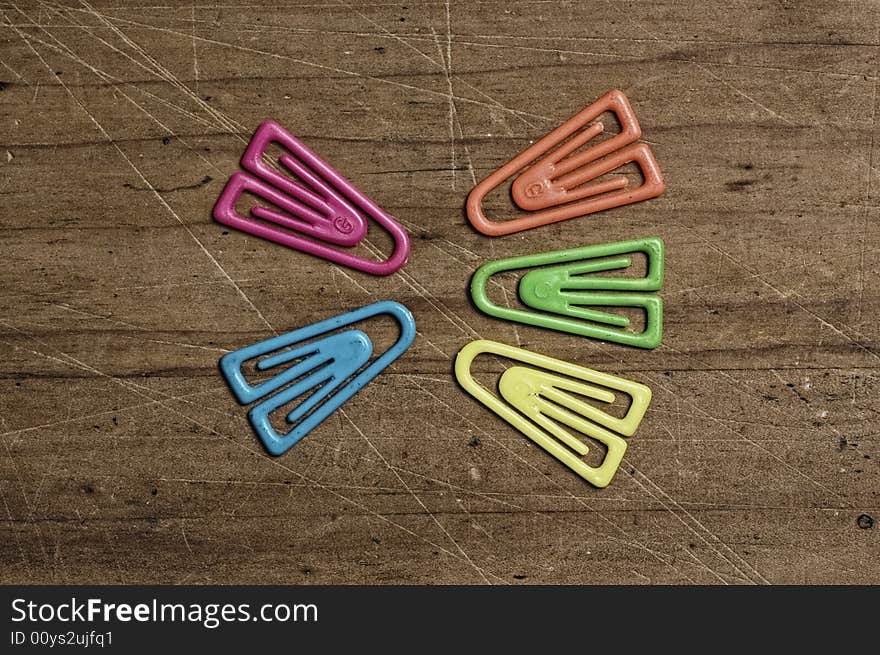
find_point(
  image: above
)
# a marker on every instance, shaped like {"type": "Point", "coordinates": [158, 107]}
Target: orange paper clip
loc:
{"type": "Point", "coordinates": [560, 186]}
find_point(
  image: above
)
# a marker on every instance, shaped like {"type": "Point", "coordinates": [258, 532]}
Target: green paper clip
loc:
{"type": "Point", "coordinates": [548, 404]}
{"type": "Point", "coordinates": [568, 291]}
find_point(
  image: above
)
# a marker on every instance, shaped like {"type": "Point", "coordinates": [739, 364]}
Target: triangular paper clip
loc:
{"type": "Point", "coordinates": [545, 406]}
{"type": "Point", "coordinates": [557, 188]}
{"type": "Point", "coordinates": [322, 204]}
{"type": "Point", "coordinates": [333, 363]}
{"type": "Point", "coordinates": [570, 293]}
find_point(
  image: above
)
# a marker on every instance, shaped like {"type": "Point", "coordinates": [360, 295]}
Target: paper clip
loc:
{"type": "Point", "coordinates": [322, 204]}
{"type": "Point", "coordinates": [569, 292]}
{"type": "Point", "coordinates": [558, 187]}
{"type": "Point", "coordinates": [319, 368]}
{"type": "Point", "coordinates": [543, 405]}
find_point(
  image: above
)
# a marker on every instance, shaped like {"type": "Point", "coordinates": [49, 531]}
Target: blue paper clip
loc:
{"type": "Point", "coordinates": [327, 364]}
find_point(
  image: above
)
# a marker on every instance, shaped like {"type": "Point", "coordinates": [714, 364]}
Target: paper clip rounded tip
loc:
{"type": "Point", "coordinates": [476, 216]}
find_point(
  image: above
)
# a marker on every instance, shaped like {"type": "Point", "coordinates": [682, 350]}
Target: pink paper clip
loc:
{"type": "Point", "coordinates": [321, 204]}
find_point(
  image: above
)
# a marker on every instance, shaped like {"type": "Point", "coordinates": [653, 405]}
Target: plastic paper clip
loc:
{"type": "Point", "coordinates": [559, 186]}
{"type": "Point", "coordinates": [569, 292]}
{"type": "Point", "coordinates": [322, 204]}
{"type": "Point", "coordinates": [319, 368]}
{"type": "Point", "coordinates": [544, 406]}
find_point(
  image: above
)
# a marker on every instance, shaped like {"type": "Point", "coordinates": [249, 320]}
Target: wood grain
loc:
{"type": "Point", "coordinates": [124, 457]}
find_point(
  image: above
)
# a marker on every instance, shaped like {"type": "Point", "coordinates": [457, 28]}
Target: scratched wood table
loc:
{"type": "Point", "coordinates": [125, 458]}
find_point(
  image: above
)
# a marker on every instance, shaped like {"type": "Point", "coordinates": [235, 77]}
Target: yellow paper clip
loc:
{"type": "Point", "coordinates": [546, 403]}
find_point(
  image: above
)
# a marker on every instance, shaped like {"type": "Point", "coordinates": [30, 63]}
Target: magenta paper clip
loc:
{"type": "Point", "coordinates": [321, 204]}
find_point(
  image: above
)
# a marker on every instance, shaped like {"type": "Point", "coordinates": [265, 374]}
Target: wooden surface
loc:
{"type": "Point", "coordinates": [124, 457]}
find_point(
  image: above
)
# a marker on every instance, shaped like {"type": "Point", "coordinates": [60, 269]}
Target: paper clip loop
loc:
{"type": "Point", "coordinates": [557, 188]}
{"type": "Point", "coordinates": [543, 406]}
{"type": "Point", "coordinates": [570, 293]}
{"type": "Point", "coordinates": [320, 367]}
{"type": "Point", "coordinates": [323, 205]}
